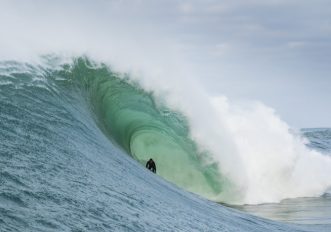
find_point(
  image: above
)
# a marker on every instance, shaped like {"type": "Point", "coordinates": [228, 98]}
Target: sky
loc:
{"type": "Point", "coordinates": [274, 51]}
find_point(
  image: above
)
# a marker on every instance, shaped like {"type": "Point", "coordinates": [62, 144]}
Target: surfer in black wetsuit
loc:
{"type": "Point", "coordinates": [151, 165]}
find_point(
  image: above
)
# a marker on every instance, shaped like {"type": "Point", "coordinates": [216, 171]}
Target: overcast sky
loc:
{"type": "Point", "coordinates": [274, 51]}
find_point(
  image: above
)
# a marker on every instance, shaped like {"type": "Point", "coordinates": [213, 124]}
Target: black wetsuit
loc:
{"type": "Point", "coordinates": [151, 165]}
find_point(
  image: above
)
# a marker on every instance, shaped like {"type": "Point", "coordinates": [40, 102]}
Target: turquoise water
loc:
{"type": "Point", "coordinates": [74, 138]}
{"type": "Point", "coordinates": [144, 129]}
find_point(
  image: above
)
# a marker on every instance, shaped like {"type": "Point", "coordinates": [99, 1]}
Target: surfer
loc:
{"type": "Point", "coordinates": [151, 165]}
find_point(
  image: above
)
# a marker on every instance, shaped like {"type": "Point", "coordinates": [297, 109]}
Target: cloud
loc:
{"type": "Point", "coordinates": [220, 49]}
{"type": "Point", "coordinates": [186, 8]}
{"type": "Point", "coordinates": [296, 44]}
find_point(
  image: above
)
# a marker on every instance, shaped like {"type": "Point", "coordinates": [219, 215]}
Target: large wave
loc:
{"type": "Point", "coordinates": [144, 127]}
{"type": "Point", "coordinates": [222, 151]}
{"type": "Point", "coordinates": [59, 171]}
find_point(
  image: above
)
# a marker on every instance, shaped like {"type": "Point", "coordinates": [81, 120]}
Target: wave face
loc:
{"type": "Point", "coordinates": [67, 131]}
{"type": "Point", "coordinates": [145, 128]}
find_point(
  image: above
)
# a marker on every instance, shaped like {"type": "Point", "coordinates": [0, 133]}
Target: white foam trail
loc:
{"type": "Point", "coordinates": [251, 145]}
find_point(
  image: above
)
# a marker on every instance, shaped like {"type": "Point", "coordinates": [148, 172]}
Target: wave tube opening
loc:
{"type": "Point", "coordinates": [145, 128]}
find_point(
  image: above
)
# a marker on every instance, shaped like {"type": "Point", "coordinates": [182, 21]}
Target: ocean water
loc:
{"type": "Point", "coordinates": [74, 137]}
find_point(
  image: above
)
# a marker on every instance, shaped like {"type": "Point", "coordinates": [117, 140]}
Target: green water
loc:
{"type": "Point", "coordinates": [144, 128]}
